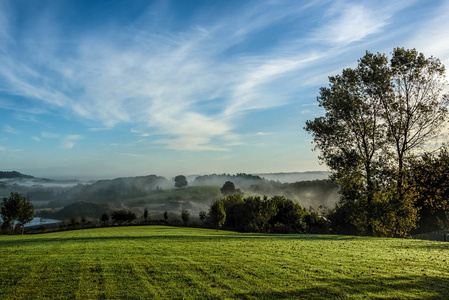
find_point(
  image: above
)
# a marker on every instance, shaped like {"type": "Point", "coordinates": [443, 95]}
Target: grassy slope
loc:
{"type": "Point", "coordinates": [168, 262]}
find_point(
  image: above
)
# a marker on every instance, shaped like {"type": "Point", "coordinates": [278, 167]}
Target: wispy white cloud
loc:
{"type": "Point", "coordinates": [255, 91]}
{"type": "Point", "coordinates": [131, 155]}
{"type": "Point", "coordinates": [69, 141]}
{"type": "Point", "coordinates": [50, 135]}
{"type": "Point", "coordinates": [65, 141]}
{"type": "Point", "coordinates": [190, 143]}
{"type": "Point", "coordinates": [158, 79]}
{"type": "Point", "coordinates": [346, 22]}
{"type": "Point", "coordinates": [2, 148]}
{"type": "Point", "coordinates": [431, 37]}
{"type": "Point", "coordinates": [192, 86]}
{"type": "Point", "coordinates": [350, 23]}
{"type": "Point", "coordinates": [95, 129]}
{"type": "Point", "coordinates": [260, 133]}
{"type": "Point", "coordinates": [9, 129]}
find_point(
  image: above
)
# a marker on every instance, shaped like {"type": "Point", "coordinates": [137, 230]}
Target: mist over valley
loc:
{"type": "Point", "coordinates": [67, 199]}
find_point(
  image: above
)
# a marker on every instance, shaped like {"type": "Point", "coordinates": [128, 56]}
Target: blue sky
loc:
{"type": "Point", "coordinates": [101, 89]}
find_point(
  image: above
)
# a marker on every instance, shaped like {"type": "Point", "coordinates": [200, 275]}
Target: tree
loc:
{"type": "Point", "coordinates": [26, 212]}
{"type": "Point", "coordinates": [430, 177]}
{"type": "Point", "coordinates": [16, 208]}
{"type": "Point", "coordinates": [180, 181]}
{"type": "Point", "coordinates": [414, 109]}
{"type": "Point", "coordinates": [228, 188]}
{"type": "Point", "coordinates": [165, 216]}
{"type": "Point", "coordinates": [202, 216]}
{"type": "Point", "coordinates": [350, 135]}
{"type": "Point", "coordinates": [289, 214]}
{"type": "Point", "coordinates": [376, 117]}
{"type": "Point", "coordinates": [145, 214]}
{"type": "Point", "coordinates": [121, 216]}
{"type": "Point", "coordinates": [185, 216]}
{"type": "Point", "coordinates": [104, 218]}
{"type": "Point", "coordinates": [217, 214]}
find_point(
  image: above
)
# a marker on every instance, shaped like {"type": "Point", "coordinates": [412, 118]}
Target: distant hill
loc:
{"type": "Point", "coordinates": [79, 209]}
{"type": "Point", "coordinates": [13, 174]}
{"type": "Point", "coordinates": [295, 176]}
{"type": "Point", "coordinates": [240, 180]}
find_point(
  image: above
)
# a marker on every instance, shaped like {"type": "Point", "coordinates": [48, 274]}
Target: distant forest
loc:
{"type": "Point", "coordinates": [13, 174]}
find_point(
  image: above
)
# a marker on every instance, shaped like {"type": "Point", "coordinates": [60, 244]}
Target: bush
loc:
{"type": "Point", "coordinates": [122, 216]}
{"type": "Point", "coordinates": [254, 214]}
{"type": "Point", "coordinates": [185, 216]}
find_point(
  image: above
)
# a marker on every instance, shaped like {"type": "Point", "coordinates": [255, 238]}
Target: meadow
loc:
{"type": "Point", "coordinates": [161, 262]}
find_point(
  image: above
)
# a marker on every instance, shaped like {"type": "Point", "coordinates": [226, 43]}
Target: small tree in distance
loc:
{"type": "Point", "coordinates": [104, 218]}
{"type": "Point", "coordinates": [228, 188]}
{"type": "Point", "coordinates": [185, 216]}
{"type": "Point", "coordinates": [26, 212]}
{"type": "Point", "coordinates": [121, 216]}
{"type": "Point", "coordinates": [16, 208]}
{"type": "Point", "coordinates": [180, 181]}
{"type": "Point", "coordinates": [202, 216]}
{"type": "Point", "coordinates": [166, 216]}
{"type": "Point", "coordinates": [217, 214]}
{"type": "Point", "coordinates": [145, 214]}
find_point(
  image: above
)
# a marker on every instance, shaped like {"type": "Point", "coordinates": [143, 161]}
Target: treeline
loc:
{"type": "Point", "coordinates": [13, 174]}
{"type": "Point", "coordinates": [269, 215]}
{"type": "Point", "coordinates": [309, 192]}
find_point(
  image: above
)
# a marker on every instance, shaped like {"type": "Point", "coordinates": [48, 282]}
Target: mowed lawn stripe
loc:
{"type": "Point", "coordinates": [159, 262]}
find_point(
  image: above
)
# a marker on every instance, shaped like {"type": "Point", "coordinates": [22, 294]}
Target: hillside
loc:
{"type": "Point", "coordinates": [79, 209]}
{"type": "Point", "coordinates": [293, 177]}
{"type": "Point", "coordinates": [157, 262]}
{"type": "Point", "coordinates": [13, 174]}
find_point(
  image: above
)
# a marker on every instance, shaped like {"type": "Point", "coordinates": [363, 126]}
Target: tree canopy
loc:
{"type": "Point", "coordinates": [185, 216]}
{"type": "Point", "coordinates": [378, 116]}
{"type": "Point", "coordinates": [217, 214]}
{"type": "Point", "coordinates": [122, 216]}
{"type": "Point", "coordinates": [16, 208]}
{"type": "Point", "coordinates": [180, 181]}
{"type": "Point", "coordinates": [228, 188]}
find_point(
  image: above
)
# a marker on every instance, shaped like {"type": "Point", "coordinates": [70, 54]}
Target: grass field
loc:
{"type": "Point", "coordinates": [174, 263]}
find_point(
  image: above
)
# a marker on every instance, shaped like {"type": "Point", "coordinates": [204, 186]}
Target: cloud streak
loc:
{"type": "Point", "coordinates": [69, 141]}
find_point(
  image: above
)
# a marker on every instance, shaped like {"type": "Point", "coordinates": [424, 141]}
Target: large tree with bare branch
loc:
{"type": "Point", "coordinates": [378, 115]}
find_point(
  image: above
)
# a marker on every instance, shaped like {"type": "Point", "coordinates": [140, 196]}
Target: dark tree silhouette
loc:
{"type": "Point", "coordinates": [377, 116]}
{"type": "Point", "coordinates": [16, 208]}
{"type": "Point", "coordinates": [185, 216]}
{"type": "Point", "coordinates": [228, 188]}
{"type": "Point", "coordinates": [180, 181]}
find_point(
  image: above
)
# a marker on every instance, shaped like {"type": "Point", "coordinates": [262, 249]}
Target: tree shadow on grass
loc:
{"type": "Point", "coordinates": [187, 237]}
{"type": "Point", "coordinates": [428, 246]}
{"type": "Point", "coordinates": [418, 287]}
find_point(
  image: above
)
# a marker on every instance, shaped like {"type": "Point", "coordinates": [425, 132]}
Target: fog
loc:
{"type": "Point", "coordinates": [70, 198]}
{"type": "Point", "coordinates": [45, 183]}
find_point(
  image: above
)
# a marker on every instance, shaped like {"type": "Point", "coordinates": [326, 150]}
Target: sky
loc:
{"type": "Point", "coordinates": [104, 89]}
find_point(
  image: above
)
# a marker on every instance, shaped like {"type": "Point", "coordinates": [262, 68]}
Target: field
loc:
{"type": "Point", "coordinates": [145, 262]}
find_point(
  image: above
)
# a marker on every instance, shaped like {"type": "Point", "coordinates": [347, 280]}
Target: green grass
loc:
{"type": "Point", "coordinates": [174, 263]}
